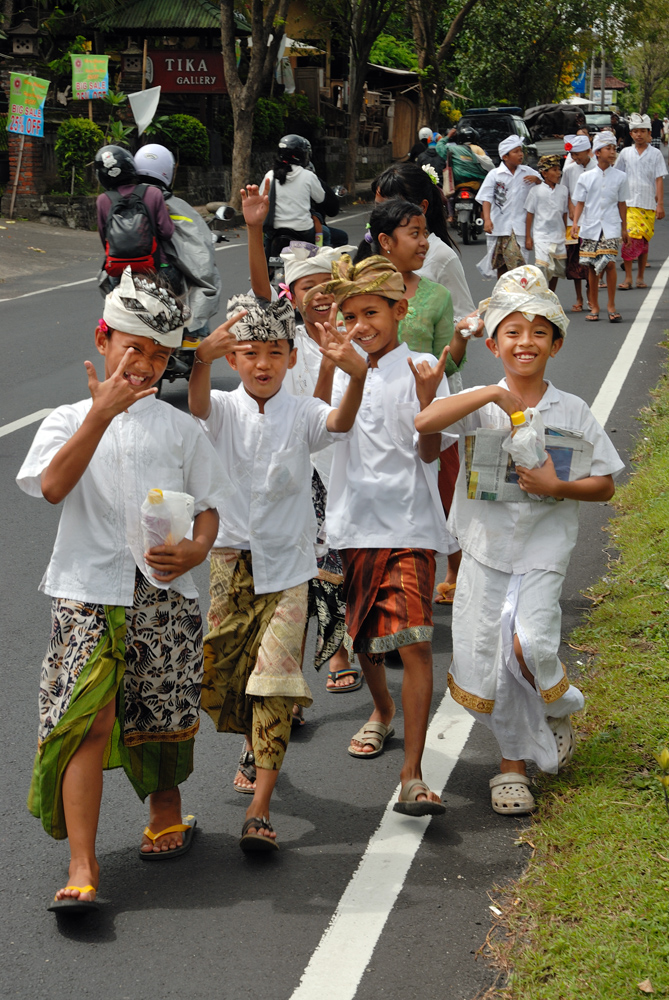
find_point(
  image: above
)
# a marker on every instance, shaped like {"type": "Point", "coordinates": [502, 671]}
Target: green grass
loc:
{"type": "Point", "coordinates": [590, 918]}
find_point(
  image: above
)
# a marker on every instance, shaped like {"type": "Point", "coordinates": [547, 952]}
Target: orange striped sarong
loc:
{"type": "Point", "coordinates": [388, 594]}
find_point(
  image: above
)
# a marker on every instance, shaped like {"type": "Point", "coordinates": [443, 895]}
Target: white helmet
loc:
{"type": "Point", "coordinates": [155, 161]}
{"type": "Point", "coordinates": [425, 133]}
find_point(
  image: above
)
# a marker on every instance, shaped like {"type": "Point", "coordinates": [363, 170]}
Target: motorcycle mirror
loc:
{"type": "Point", "coordinates": [340, 191]}
{"type": "Point", "coordinates": [225, 213]}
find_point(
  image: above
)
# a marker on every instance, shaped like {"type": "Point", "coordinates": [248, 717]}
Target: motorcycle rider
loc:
{"type": "Point", "coordinates": [292, 190]}
{"type": "Point", "coordinates": [469, 161]}
{"type": "Point", "coordinates": [431, 157]}
{"type": "Point", "coordinates": [191, 250]}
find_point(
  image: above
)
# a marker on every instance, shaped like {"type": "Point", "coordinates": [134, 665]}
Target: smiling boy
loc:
{"type": "Point", "coordinates": [506, 616]}
{"type": "Point", "coordinates": [264, 553]}
{"type": "Point", "coordinates": [120, 680]}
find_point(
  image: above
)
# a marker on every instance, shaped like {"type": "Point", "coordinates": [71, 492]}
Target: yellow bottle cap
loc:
{"type": "Point", "coordinates": [517, 418]}
{"type": "Point", "coordinates": [155, 496]}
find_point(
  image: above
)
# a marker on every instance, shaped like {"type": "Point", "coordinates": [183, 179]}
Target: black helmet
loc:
{"type": "Point", "coordinates": [114, 165]}
{"type": "Point", "coordinates": [466, 134]}
{"type": "Point", "coordinates": [295, 149]}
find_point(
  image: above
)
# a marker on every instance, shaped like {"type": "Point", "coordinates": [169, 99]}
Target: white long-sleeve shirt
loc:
{"type": "Point", "coordinates": [293, 199]}
{"type": "Point", "coordinates": [507, 193]}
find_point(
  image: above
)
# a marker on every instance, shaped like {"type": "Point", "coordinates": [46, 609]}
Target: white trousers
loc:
{"type": "Point", "coordinates": [489, 609]}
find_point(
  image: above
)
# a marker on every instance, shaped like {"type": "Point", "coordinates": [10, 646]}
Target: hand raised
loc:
{"type": "Point", "coordinates": [115, 394]}
{"type": "Point", "coordinates": [337, 347]}
{"type": "Point", "coordinates": [220, 341]}
{"type": "Point", "coordinates": [428, 378]}
{"type": "Point", "coordinates": [255, 204]}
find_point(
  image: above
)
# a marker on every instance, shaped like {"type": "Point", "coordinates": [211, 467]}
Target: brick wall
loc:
{"type": "Point", "coordinates": [31, 179]}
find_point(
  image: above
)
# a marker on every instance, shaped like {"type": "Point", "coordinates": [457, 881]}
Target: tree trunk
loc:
{"type": "Point", "coordinates": [241, 155]}
{"type": "Point", "coordinates": [355, 109]}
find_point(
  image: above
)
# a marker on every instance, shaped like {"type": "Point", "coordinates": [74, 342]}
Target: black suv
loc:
{"type": "Point", "coordinates": [495, 124]}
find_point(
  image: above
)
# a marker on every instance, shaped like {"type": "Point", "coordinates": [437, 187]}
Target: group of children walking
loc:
{"type": "Point", "coordinates": [316, 492]}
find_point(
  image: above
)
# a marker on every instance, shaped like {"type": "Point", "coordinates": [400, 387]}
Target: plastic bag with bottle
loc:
{"type": "Point", "coordinates": [166, 517]}
{"type": "Point", "coordinates": [525, 443]}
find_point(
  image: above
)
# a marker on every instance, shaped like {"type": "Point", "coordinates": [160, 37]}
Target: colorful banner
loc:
{"type": "Point", "coordinates": [90, 77]}
{"type": "Point", "coordinates": [578, 85]}
{"type": "Point", "coordinates": [27, 95]}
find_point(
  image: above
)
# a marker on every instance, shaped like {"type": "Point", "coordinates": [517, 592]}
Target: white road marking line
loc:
{"type": "Point", "coordinates": [53, 288]}
{"type": "Point", "coordinates": [231, 246]}
{"type": "Point", "coordinates": [615, 379]}
{"type": "Point", "coordinates": [16, 425]}
{"type": "Point", "coordinates": [345, 949]}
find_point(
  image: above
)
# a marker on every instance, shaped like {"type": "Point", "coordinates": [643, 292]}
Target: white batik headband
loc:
{"type": "Point", "coordinates": [576, 143]}
{"type": "Point", "coordinates": [603, 139]}
{"type": "Point", "coordinates": [524, 290]}
{"type": "Point", "coordinates": [145, 309]}
{"type": "Point", "coordinates": [264, 320]}
{"type": "Point", "coordinates": [639, 121]}
{"type": "Point", "coordinates": [303, 259]}
{"type": "Point", "coordinates": [511, 142]}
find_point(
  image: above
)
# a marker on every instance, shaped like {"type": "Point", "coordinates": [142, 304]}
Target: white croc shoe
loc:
{"type": "Point", "coordinates": [564, 738]}
{"type": "Point", "coordinates": [510, 794]}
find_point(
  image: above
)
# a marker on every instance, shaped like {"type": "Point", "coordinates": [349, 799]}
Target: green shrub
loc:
{"type": "Point", "coordinates": [396, 52]}
{"type": "Point", "coordinates": [273, 117]}
{"type": "Point", "coordinates": [77, 142]}
{"type": "Point", "coordinates": [188, 139]}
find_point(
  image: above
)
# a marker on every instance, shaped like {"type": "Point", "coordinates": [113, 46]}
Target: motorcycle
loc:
{"type": "Point", "coordinates": [468, 213]}
{"type": "Point", "coordinates": [181, 361]}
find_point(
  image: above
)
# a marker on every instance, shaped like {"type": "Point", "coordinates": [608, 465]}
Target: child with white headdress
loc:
{"type": "Point", "coordinates": [579, 158]}
{"type": "Point", "coordinates": [506, 617]}
{"type": "Point", "coordinates": [120, 683]}
{"type": "Point", "coordinates": [645, 168]}
{"type": "Point", "coordinates": [502, 196]}
{"type": "Point", "coordinates": [600, 221]}
{"type": "Point", "coordinates": [264, 554]}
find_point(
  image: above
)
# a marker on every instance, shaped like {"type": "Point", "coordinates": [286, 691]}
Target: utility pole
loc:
{"type": "Point", "coordinates": [602, 80]}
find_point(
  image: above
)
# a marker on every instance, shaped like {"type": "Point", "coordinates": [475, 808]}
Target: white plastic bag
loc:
{"type": "Point", "coordinates": [525, 444]}
{"type": "Point", "coordinates": [166, 517]}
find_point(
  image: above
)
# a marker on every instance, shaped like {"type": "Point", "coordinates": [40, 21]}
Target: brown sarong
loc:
{"type": "Point", "coordinates": [388, 596]}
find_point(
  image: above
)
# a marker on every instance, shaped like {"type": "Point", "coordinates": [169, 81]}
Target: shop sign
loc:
{"type": "Point", "coordinates": [186, 72]}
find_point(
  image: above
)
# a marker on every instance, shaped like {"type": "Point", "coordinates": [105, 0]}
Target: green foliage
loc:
{"type": "Point", "coordinates": [117, 131]}
{"type": "Point", "coordinates": [62, 65]}
{"type": "Point", "coordinates": [396, 52]}
{"type": "Point", "coordinates": [589, 919]}
{"type": "Point", "coordinates": [4, 134]}
{"type": "Point", "coordinates": [273, 117]}
{"type": "Point", "coordinates": [187, 138]}
{"type": "Point", "coordinates": [449, 116]}
{"type": "Point", "coordinates": [77, 142]}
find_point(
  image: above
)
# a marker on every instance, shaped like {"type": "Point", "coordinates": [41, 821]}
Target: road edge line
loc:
{"type": "Point", "coordinates": [31, 418]}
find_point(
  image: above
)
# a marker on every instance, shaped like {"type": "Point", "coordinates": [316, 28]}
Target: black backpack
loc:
{"type": "Point", "coordinates": [130, 237]}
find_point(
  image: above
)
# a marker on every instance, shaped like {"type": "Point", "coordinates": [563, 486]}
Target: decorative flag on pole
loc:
{"type": "Point", "coordinates": [144, 105]}
{"type": "Point", "coordinates": [578, 84]}
{"type": "Point", "coordinates": [90, 77]}
{"type": "Point", "coordinates": [27, 95]}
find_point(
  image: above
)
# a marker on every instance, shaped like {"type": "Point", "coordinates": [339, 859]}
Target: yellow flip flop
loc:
{"type": "Point", "coordinates": [188, 830]}
{"type": "Point", "coordinates": [75, 905]}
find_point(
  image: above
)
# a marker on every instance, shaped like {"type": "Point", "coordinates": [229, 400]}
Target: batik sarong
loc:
{"type": "Point", "coordinates": [148, 659]}
{"type": "Point", "coordinates": [388, 595]}
{"type": "Point", "coordinates": [551, 258]}
{"type": "Point", "coordinates": [326, 591]}
{"type": "Point", "coordinates": [641, 229]}
{"type": "Point", "coordinates": [599, 253]}
{"type": "Point", "coordinates": [255, 655]}
{"type": "Point", "coordinates": [507, 253]}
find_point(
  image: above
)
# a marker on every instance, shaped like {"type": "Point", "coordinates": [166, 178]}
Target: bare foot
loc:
{"type": "Point", "coordinates": [165, 811]}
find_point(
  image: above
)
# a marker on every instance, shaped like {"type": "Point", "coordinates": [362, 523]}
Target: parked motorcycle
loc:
{"type": "Point", "coordinates": [181, 361]}
{"type": "Point", "coordinates": [468, 213]}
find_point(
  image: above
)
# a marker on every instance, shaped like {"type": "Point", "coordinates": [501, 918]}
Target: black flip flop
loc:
{"type": "Point", "coordinates": [255, 842]}
{"type": "Point", "coordinates": [188, 830]}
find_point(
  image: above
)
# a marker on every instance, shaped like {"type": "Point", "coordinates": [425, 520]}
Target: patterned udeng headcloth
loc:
{"type": "Point", "coordinates": [264, 320]}
{"type": "Point", "coordinates": [372, 276]}
{"type": "Point", "coordinates": [524, 290]}
{"type": "Point", "coordinates": [141, 307]}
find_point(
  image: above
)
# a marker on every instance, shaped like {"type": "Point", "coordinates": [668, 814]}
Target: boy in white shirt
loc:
{"type": "Point", "coordinates": [506, 617]}
{"type": "Point", "coordinates": [579, 158]}
{"type": "Point", "coordinates": [264, 553]}
{"type": "Point", "coordinates": [546, 222]}
{"type": "Point", "coordinates": [600, 220]}
{"type": "Point", "coordinates": [120, 680]}
{"type": "Point", "coordinates": [385, 516]}
{"type": "Point", "coordinates": [502, 195]}
{"type": "Point", "coordinates": [645, 169]}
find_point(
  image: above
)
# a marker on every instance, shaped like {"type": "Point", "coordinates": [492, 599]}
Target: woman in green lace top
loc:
{"type": "Point", "coordinates": [398, 231]}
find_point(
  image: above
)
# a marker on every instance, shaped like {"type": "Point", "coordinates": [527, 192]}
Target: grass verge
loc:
{"type": "Point", "coordinates": [590, 918]}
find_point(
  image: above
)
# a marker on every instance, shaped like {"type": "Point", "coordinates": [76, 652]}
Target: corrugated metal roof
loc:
{"type": "Point", "coordinates": [172, 16]}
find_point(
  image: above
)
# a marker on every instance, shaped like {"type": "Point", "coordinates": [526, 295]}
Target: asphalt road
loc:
{"type": "Point", "coordinates": [218, 923]}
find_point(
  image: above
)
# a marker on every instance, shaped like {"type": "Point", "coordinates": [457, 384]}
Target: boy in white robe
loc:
{"type": "Point", "coordinates": [506, 616]}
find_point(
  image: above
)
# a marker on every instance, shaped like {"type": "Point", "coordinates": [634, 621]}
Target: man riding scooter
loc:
{"type": "Point", "coordinates": [469, 163]}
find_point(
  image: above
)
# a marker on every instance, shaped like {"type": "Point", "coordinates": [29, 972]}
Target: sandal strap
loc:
{"type": "Point", "coordinates": [412, 789]}
{"type": "Point", "coordinates": [177, 828]}
{"type": "Point", "coordinates": [247, 757]}
{"type": "Point", "coordinates": [334, 675]}
{"type": "Point", "coordinates": [259, 822]}
{"type": "Point", "coordinates": [374, 733]}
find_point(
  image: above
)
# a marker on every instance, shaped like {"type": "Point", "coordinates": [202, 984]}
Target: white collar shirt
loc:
{"type": "Point", "coordinates": [519, 537]}
{"type": "Point", "coordinates": [600, 191]}
{"type": "Point", "coordinates": [268, 455]}
{"type": "Point", "coordinates": [301, 381]}
{"type": "Point", "coordinates": [382, 495]}
{"type": "Point", "coordinates": [570, 175]}
{"type": "Point", "coordinates": [507, 193]}
{"type": "Point", "coordinates": [548, 206]}
{"type": "Point", "coordinates": [642, 171]}
{"type": "Point", "coordinates": [99, 541]}
{"type": "Point", "coordinates": [443, 265]}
